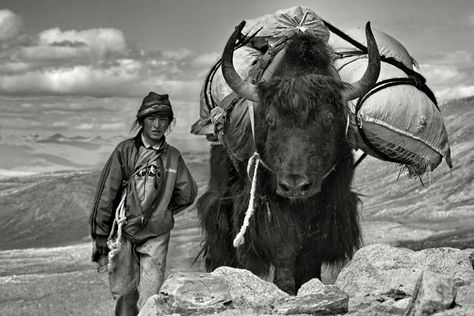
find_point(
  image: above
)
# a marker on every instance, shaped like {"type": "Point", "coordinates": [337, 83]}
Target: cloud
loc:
{"type": "Point", "coordinates": [205, 60]}
{"type": "Point", "coordinates": [179, 54]}
{"type": "Point", "coordinates": [455, 92]}
{"type": "Point", "coordinates": [95, 62]}
{"type": "Point", "coordinates": [53, 44]}
{"type": "Point", "coordinates": [100, 41]}
{"type": "Point", "coordinates": [10, 25]}
{"type": "Point", "coordinates": [454, 57]}
{"type": "Point", "coordinates": [471, 19]}
{"type": "Point", "coordinates": [117, 77]}
{"type": "Point", "coordinates": [14, 67]}
{"type": "Point", "coordinates": [450, 81]}
{"type": "Point", "coordinates": [450, 74]}
{"type": "Point", "coordinates": [442, 74]}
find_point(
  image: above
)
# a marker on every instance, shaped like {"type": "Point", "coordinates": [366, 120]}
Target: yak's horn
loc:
{"type": "Point", "coordinates": [242, 88]}
{"type": "Point", "coordinates": [368, 80]}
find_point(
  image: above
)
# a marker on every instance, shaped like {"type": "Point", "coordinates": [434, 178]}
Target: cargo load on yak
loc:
{"type": "Point", "coordinates": [398, 120]}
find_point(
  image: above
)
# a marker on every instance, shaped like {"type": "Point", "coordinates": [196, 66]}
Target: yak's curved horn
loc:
{"type": "Point", "coordinates": [242, 88]}
{"type": "Point", "coordinates": [361, 87]}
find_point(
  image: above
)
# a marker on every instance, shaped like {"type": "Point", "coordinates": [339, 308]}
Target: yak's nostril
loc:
{"type": "Point", "coordinates": [305, 187]}
{"type": "Point", "coordinates": [284, 187]}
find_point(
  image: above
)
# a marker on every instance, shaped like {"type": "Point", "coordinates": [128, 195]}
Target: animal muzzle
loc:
{"type": "Point", "coordinates": [297, 186]}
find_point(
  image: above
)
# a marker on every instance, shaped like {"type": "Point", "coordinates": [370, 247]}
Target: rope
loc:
{"type": "Point", "coordinates": [239, 239]}
{"type": "Point", "coordinates": [115, 244]}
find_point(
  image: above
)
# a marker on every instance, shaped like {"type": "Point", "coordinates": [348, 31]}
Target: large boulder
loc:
{"type": "Point", "coordinates": [248, 290]}
{"type": "Point", "coordinates": [189, 293]}
{"type": "Point", "coordinates": [380, 269]}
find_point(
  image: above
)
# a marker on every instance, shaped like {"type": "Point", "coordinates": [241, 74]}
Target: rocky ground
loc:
{"type": "Point", "coordinates": [379, 281]}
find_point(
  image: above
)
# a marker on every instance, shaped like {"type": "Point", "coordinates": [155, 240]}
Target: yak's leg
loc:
{"type": "Point", "coordinates": [215, 212]}
{"type": "Point", "coordinates": [308, 266]}
{"type": "Point", "coordinates": [285, 270]}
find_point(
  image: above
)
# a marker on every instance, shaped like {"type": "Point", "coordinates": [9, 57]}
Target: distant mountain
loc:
{"type": "Point", "coordinates": [51, 209]}
{"type": "Point", "coordinates": [36, 154]}
{"type": "Point", "coordinates": [57, 136]}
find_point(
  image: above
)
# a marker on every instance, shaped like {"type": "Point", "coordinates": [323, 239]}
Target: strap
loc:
{"type": "Point", "coordinates": [252, 123]}
{"type": "Point", "coordinates": [125, 182]}
{"type": "Point", "coordinates": [362, 157]}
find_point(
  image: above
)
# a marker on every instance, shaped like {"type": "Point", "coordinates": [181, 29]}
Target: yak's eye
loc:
{"type": "Point", "coordinates": [328, 120]}
{"type": "Point", "coordinates": [270, 120]}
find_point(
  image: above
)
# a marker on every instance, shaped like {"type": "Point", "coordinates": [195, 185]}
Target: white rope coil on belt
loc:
{"type": "Point", "coordinates": [115, 243]}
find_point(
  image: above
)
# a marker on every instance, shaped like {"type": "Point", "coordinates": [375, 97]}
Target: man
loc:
{"type": "Point", "coordinates": [144, 183]}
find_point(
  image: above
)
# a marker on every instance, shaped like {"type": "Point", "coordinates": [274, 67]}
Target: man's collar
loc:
{"type": "Point", "coordinates": [148, 145]}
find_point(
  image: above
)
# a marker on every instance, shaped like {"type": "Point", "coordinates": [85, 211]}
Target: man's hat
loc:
{"type": "Point", "coordinates": [155, 103]}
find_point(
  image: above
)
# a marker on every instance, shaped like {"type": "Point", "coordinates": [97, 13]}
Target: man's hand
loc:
{"type": "Point", "coordinates": [99, 249]}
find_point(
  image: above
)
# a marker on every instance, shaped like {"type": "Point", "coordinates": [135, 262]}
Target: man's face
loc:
{"type": "Point", "coordinates": [154, 127]}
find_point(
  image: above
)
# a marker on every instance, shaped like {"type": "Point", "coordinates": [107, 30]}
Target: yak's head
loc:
{"type": "Point", "coordinates": [300, 111]}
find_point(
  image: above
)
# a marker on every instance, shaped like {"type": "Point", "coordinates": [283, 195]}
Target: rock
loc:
{"type": "Point", "coordinates": [192, 292]}
{"type": "Point", "coordinates": [377, 305]}
{"type": "Point", "coordinates": [236, 312]}
{"type": "Point", "coordinates": [402, 304]}
{"type": "Point", "coordinates": [332, 303]}
{"type": "Point", "coordinates": [314, 298]}
{"type": "Point", "coordinates": [249, 291]}
{"type": "Point", "coordinates": [457, 311]}
{"type": "Point", "coordinates": [433, 292]}
{"type": "Point", "coordinates": [465, 296]}
{"type": "Point", "coordinates": [378, 310]}
{"type": "Point", "coordinates": [360, 303]}
{"type": "Point", "coordinates": [313, 286]}
{"type": "Point", "coordinates": [152, 307]}
{"type": "Point", "coordinates": [384, 270]}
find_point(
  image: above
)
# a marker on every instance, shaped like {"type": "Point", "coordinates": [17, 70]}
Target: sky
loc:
{"type": "Point", "coordinates": [83, 67]}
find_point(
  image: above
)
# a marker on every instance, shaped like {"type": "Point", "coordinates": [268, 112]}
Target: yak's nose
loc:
{"type": "Point", "coordinates": [294, 185]}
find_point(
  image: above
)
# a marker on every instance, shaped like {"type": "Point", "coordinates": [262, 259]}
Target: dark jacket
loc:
{"type": "Point", "coordinates": [178, 190]}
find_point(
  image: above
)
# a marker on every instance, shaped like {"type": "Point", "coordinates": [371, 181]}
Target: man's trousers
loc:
{"type": "Point", "coordinates": [138, 271]}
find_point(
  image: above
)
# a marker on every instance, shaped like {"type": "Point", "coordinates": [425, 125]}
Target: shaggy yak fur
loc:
{"type": "Point", "coordinates": [300, 129]}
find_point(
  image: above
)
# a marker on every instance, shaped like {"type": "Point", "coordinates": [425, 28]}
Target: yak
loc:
{"type": "Point", "coordinates": [305, 213]}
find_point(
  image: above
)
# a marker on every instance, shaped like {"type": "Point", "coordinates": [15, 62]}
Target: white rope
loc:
{"type": "Point", "coordinates": [115, 244]}
{"type": "Point", "coordinates": [239, 239]}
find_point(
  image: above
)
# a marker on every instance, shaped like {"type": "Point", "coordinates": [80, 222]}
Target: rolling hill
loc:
{"type": "Point", "coordinates": [49, 210]}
